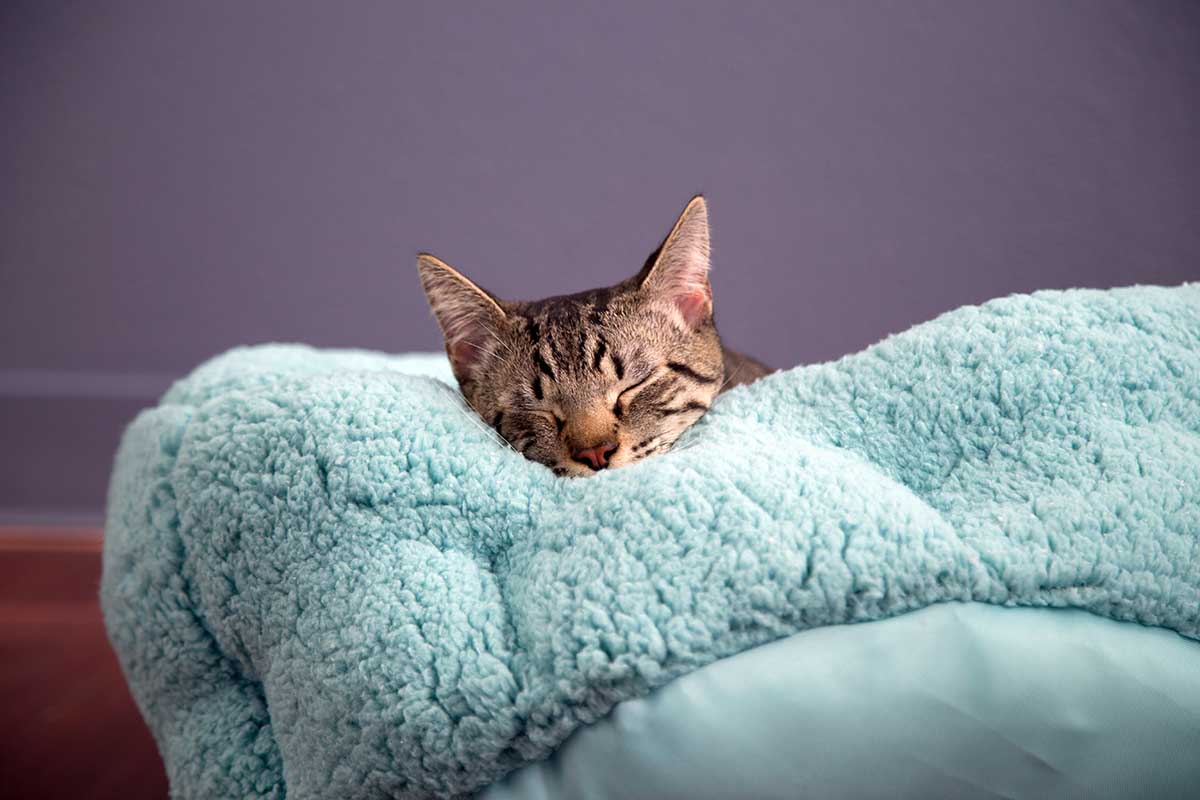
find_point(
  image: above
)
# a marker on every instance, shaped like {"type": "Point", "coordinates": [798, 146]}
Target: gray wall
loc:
{"type": "Point", "coordinates": [178, 178]}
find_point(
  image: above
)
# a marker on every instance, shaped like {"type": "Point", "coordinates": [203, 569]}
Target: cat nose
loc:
{"type": "Point", "coordinates": [595, 457]}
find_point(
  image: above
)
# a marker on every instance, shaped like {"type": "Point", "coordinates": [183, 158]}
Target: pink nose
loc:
{"type": "Point", "coordinates": [595, 457]}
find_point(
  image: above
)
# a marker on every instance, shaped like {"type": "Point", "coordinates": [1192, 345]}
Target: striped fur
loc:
{"type": "Point", "coordinates": [633, 364]}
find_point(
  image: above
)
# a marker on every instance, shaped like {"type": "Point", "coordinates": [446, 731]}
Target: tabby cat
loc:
{"type": "Point", "coordinates": [598, 379]}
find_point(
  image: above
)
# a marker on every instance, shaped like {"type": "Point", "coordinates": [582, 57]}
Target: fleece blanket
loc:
{"type": "Point", "coordinates": [324, 576]}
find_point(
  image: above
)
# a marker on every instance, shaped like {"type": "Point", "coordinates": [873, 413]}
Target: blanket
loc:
{"type": "Point", "coordinates": [324, 576]}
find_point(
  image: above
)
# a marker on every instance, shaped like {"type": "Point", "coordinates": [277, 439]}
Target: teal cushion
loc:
{"type": "Point", "coordinates": [956, 700]}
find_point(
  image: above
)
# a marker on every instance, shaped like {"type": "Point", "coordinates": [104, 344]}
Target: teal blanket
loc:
{"type": "Point", "coordinates": [324, 576]}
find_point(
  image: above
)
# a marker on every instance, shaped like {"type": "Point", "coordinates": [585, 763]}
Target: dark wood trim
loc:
{"type": "Point", "coordinates": [32, 539]}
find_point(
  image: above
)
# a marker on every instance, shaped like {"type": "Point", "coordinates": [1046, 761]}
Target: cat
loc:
{"type": "Point", "coordinates": [599, 379]}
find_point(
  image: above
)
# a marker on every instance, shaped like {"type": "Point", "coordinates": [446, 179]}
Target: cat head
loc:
{"type": "Point", "coordinates": [593, 380]}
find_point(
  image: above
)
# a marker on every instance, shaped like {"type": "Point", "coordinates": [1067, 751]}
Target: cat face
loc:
{"type": "Point", "coordinates": [594, 380]}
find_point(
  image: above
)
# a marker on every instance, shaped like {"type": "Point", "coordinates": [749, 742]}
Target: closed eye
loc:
{"type": "Point", "coordinates": [549, 416]}
{"type": "Point", "coordinates": [637, 385]}
{"type": "Point", "coordinates": [618, 408]}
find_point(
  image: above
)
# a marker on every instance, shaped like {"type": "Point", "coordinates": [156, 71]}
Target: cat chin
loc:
{"type": "Point", "coordinates": [573, 470]}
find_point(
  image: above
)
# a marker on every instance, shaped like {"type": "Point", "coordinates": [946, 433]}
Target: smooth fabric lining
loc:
{"type": "Point", "coordinates": [956, 700]}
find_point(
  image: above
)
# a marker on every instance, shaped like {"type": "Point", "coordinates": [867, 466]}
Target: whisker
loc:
{"type": "Point", "coordinates": [677, 448]}
{"type": "Point", "coordinates": [482, 349]}
{"type": "Point", "coordinates": [504, 362]}
{"type": "Point", "coordinates": [489, 432]}
{"type": "Point", "coordinates": [508, 348]}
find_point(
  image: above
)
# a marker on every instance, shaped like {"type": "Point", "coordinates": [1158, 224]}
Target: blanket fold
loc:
{"type": "Point", "coordinates": [325, 576]}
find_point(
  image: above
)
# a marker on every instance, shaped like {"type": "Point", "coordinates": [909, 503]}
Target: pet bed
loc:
{"type": "Point", "coordinates": [325, 577]}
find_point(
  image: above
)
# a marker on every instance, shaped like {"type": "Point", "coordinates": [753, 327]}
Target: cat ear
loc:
{"type": "Point", "coordinates": [469, 317]}
{"type": "Point", "coordinates": [678, 271]}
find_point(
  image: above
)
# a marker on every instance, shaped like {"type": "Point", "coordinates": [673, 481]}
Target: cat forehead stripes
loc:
{"type": "Point", "coordinates": [570, 333]}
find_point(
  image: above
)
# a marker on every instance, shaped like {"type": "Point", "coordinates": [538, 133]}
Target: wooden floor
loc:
{"type": "Point", "coordinates": [71, 729]}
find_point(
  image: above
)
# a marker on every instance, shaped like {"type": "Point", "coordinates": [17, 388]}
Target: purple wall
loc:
{"type": "Point", "coordinates": [179, 178]}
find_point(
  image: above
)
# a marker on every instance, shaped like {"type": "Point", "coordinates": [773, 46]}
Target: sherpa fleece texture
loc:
{"type": "Point", "coordinates": [326, 577]}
